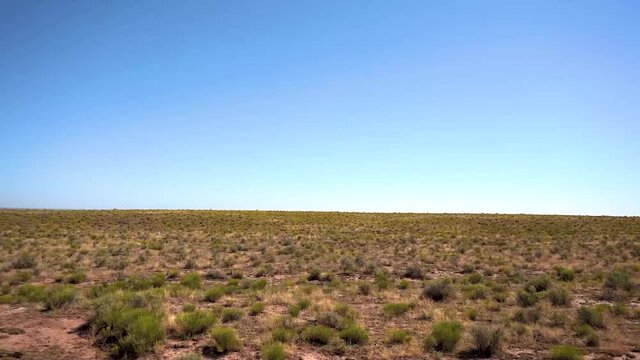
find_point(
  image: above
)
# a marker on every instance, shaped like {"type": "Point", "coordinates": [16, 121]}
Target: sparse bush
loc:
{"type": "Point", "coordinates": [32, 293]}
{"type": "Point", "coordinates": [403, 284]}
{"type": "Point", "coordinates": [59, 296]}
{"type": "Point", "coordinates": [618, 279]}
{"type": "Point", "coordinates": [565, 352]}
{"type": "Point", "coordinates": [214, 294]}
{"type": "Point", "coordinates": [294, 310]}
{"type": "Point", "coordinates": [438, 290]}
{"type": "Point", "coordinates": [76, 277]}
{"type": "Point", "coordinates": [224, 339]}
{"type": "Point", "coordinates": [314, 275]}
{"type": "Point", "coordinates": [364, 288]}
{"type": "Point", "coordinates": [191, 280]}
{"type": "Point", "coordinates": [282, 335]}
{"type": "Point", "coordinates": [193, 323]}
{"type": "Point", "coordinates": [231, 314]}
{"type": "Point", "coordinates": [256, 308]}
{"type": "Point", "coordinates": [273, 351]}
{"type": "Point", "coordinates": [414, 272]}
{"type": "Point", "coordinates": [317, 334]}
{"type": "Point", "coordinates": [590, 316]}
{"type": "Point", "coordinates": [395, 309]}
{"type": "Point", "coordinates": [397, 336]}
{"type": "Point", "coordinates": [126, 331]}
{"type": "Point", "coordinates": [354, 334]}
{"type": "Point", "coordinates": [191, 356]}
{"type": "Point", "coordinates": [539, 284]}
{"type": "Point", "coordinates": [558, 296]}
{"type": "Point", "coordinates": [24, 261]}
{"type": "Point", "coordinates": [526, 298]}
{"type": "Point", "coordinates": [444, 336]}
{"type": "Point", "coordinates": [485, 340]}
{"type": "Point", "coordinates": [564, 274]}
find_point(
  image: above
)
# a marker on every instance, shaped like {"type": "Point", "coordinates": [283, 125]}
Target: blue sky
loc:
{"type": "Point", "coordinates": [425, 106]}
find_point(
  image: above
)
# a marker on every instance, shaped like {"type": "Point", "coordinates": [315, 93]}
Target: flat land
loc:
{"type": "Point", "coordinates": [312, 285]}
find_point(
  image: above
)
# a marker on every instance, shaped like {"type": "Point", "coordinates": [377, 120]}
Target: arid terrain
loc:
{"type": "Point", "coordinates": [303, 285]}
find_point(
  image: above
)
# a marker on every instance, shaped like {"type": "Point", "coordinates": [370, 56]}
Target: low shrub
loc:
{"type": "Point", "coordinates": [590, 316]}
{"type": "Point", "coordinates": [231, 314]}
{"type": "Point", "coordinates": [618, 279]}
{"type": "Point", "coordinates": [191, 280]}
{"type": "Point", "coordinates": [282, 335]}
{"type": "Point", "coordinates": [318, 334]}
{"type": "Point", "coordinates": [32, 293]}
{"type": "Point", "coordinates": [414, 272]}
{"type": "Point", "coordinates": [214, 294]}
{"type": "Point", "coordinates": [256, 308]}
{"type": "Point", "coordinates": [273, 351]}
{"type": "Point", "coordinates": [564, 274]}
{"type": "Point", "coordinates": [193, 323]}
{"type": "Point", "coordinates": [539, 284]}
{"type": "Point", "coordinates": [558, 296]}
{"type": "Point", "coordinates": [76, 277]}
{"type": "Point", "coordinates": [485, 340]}
{"type": "Point", "coordinates": [58, 296]}
{"type": "Point", "coordinates": [24, 261]}
{"type": "Point", "coordinates": [126, 331]}
{"type": "Point", "coordinates": [444, 336]}
{"type": "Point", "coordinates": [395, 309]}
{"type": "Point", "coordinates": [354, 334]}
{"type": "Point", "coordinates": [397, 336]}
{"type": "Point", "coordinates": [224, 339]}
{"type": "Point", "coordinates": [526, 299]}
{"type": "Point", "coordinates": [565, 352]}
{"type": "Point", "coordinates": [438, 290]}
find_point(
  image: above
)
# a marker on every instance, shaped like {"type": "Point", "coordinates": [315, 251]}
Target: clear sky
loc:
{"type": "Point", "coordinates": [428, 106]}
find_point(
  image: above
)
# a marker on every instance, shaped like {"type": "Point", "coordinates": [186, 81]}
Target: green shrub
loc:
{"type": "Point", "coordinates": [565, 352]}
{"type": "Point", "coordinates": [485, 340]}
{"type": "Point", "coordinates": [403, 284]}
{"type": "Point", "coordinates": [214, 294]}
{"type": "Point", "coordinates": [231, 314]}
{"type": "Point", "coordinates": [364, 288]}
{"type": "Point", "coordinates": [224, 339]}
{"type": "Point", "coordinates": [188, 307]}
{"type": "Point", "coordinates": [314, 275]}
{"type": "Point", "coordinates": [474, 278]}
{"type": "Point", "coordinates": [124, 330]}
{"type": "Point", "coordinates": [76, 277]}
{"type": "Point", "coordinates": [318, 334]}
{"type": "Point", "coordinates": [354, 334]}
{"type": "Point", "coordinates": [24, 261]}
{"type": "Point", "coordinates": [191, 280]}
{"type": "Point", "coordinates": [526, 298]}
{"type": "Point", "coordinates": [539, 284]}
{"type": "Point", "coordinates": [294, 310]}
{"type": "Point", "coordinates": [256, 308]}
{"type": "Point", "coordinates": [590, 316]}
{"type": "Point", "coordinates": [397, 336]}
{"type": "Point", "coordinates": [559, 296]}
{"type": "Point", "coordinates": [303, 303]}
{"type": "Point", "coordinates": [193, 323]}
{"type": "Point", "coordinates": [564, 274]}
{"type": "Point", "coordinates": [273, 351]}
{"type": "Point", "coordinates": [395, 309]}
{"type": "Point", "coordinates": [438, 290]}
{"type": "Point", "coordinates": [444, 336]}
{"type": "Point", "coordinates": [382, 280]}
{"type": "Point", "coordinates": [476, 291]}
{"type": "Point", "coordinates": [414, 272]}
{"type": "Point", "coordinates": [618, 279]}
{"type": "Point", "coordinates": [282, 335]}
{"type": "Point", "coordinates": [58, 296]}
{"type": "Point", "coordinates": [32, 293]}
